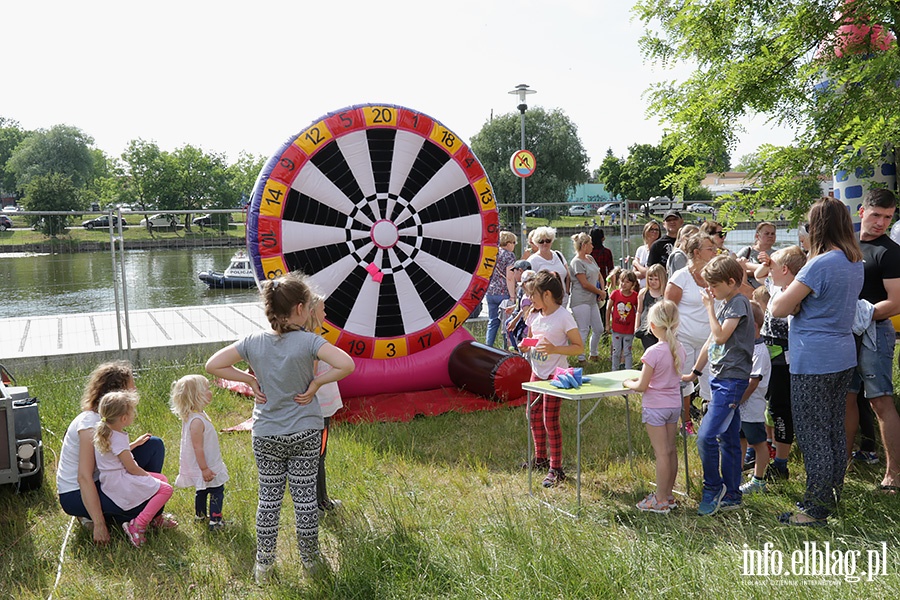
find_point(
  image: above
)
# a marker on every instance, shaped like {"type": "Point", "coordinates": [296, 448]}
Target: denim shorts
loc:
{"type": "Point", "coordinates": [875, 369]}
{"type": "Point", "coordinates": [755, 433]}
{"type": "Point", "coordinates": [658, 417]}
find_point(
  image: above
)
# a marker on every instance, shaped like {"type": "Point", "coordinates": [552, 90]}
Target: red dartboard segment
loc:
{"type": "Point", "coordinates": [289, 164]}
{"type": "Point", "coordinates": [393, 218]}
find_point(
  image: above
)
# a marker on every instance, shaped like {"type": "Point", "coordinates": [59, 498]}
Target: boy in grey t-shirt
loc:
{"type": "Point", "coordinates": [730, 354]}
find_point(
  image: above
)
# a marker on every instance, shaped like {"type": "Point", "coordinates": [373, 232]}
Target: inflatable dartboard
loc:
{"type": "Point", "coordinates": [393, 218]}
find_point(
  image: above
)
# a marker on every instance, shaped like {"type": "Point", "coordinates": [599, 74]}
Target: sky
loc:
{"type": "Point", "coordinates": [233, 77]}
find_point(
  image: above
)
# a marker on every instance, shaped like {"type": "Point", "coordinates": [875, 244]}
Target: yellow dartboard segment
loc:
{"type": "Point", "coordinates": [485, 195]}
{"type": "Point", "coordinates": [274, 267]}
{"type": "Point", "coordinates": [381, 115]}
{"type": "Point", "coordinates": [313, 137]}
{"type": "Point", "coordinates": [390, 348]}
{"type": "Point", "coordinates": [488, 260]}
{"type": "Point", "coordinates": [445, 138]}
{"type": "Point", "coordinates": [273, 197]}
{"type": "Point", "coordinates": [451, 322]}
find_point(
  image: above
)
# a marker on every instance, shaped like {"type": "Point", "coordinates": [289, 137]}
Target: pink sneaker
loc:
{"type": "Point", "coordinates": [135, 534]}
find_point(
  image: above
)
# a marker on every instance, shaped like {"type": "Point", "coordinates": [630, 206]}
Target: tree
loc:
{"type": "Point", "coordinates": [51, 192]}
{"type": "Point", "coordinates": [650, 171]}
{"type": "Point", "coordinates": [11, 135]}
{"type": "Point", "coordinates": [558, 151]}
{"type": "Point", "coordinates": [151, 174]}
{"type": "Point", "coordinates": [830, 79]}
{"type": "Point", "coordinates": [63, 149]}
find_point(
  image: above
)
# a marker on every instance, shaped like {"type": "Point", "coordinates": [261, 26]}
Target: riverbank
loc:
{"type": "Point", "coordinates": [71, 246]}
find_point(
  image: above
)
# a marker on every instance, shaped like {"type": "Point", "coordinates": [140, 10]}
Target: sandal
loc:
{"type": "Point", "coordinates": [652, 504]}
{"type": "Point", "coordinates": [164, 521]}
{"type": "Point", "coordinates": [888, 490]}
{"type": "Point", "coordinates": [135, 534]}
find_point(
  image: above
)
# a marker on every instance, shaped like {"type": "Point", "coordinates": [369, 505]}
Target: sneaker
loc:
{"type": "Point", "coordinates": [749, 459]}
{"type": "Point", "coordinates": [262, 573]}
{"type": "Point", "coordinates": [553, 478]}
{"type": "Point", "coordinates": [87, 524]}
{"type": "Point", "coordinates": [216, 526]}
{"type": "Point", "coordinates": [869, 458]}
{"type": "Point", "coordinates": [537, 464]}
{"type": "Point", "coordinates": [709, 503]}
{"type": "Point", "coordinates": [776, 473]}
{"type": "Point", "coordinates": [164, 521]}
{"type": "Point", "coordinates": [753, 485]}
{"type": "Point", "coordinates": [134, 533]}
{"type": "Point", "coordinates": [731, 501]}
{"type": "Point", "coordinates": [201, 518]}
{"type": "Point", "coordinates": [651, 504]}
{"type": "Point", "coordinates": [689, 428]}
{"type": "Point", "coordinates": [328, 505]}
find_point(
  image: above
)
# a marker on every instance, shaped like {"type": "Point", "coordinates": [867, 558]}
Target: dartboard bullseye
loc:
{"type": "Point", "coordinates": [391, 215]}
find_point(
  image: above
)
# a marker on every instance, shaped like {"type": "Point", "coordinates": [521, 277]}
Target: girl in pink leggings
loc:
{"type": "Point", "coordinates": [121, 479]}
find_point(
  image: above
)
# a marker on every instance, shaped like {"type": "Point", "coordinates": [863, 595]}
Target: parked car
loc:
{"type": "Point", "coordinates": [699, 207]}
{"type": "Point", "coordinates": [612, 208]}
{"type": "Point", "coordinates": [579, 210]}
{"type": "Point", "coordinates": [11, 208]}
{"type": "Point", "coordinates": [202, 220]}
{"type": "Point", "coordinates": [5, 223]}
{"type": "Point", "coordinates": [162, 220]}
{"type": "Point", "coordinates": [539, 211]}
{"type": "Point", "coordinates": [102, 221]}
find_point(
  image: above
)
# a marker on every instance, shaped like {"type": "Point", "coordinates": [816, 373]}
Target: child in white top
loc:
{"type": "Point", "coordinates": [558, 337]}
{"type": "Point", "coordinates": [201, 465]}
{"type": "Point", "coordinates": [753, 406]}
{"type": "Point", "coordinates": [660, 383]}
{"type": "Point", "coordinates": [329, 397]}
{"type": "Point", "coordinates": [122, 480]}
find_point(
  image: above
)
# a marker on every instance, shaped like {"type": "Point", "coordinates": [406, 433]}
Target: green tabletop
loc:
{"type": "Point", "coordinates": [601, 384]}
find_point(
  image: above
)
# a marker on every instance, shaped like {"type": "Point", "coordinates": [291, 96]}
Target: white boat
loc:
{"type": "Point", "coordinates": [239, 274]}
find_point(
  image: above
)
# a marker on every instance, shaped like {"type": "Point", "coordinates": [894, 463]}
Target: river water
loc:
{"type": "Point", "coordinates": [52, 284]}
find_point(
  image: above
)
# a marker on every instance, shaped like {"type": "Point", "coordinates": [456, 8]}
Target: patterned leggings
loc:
{"type": "Point", "coordinates": [818, 403]}
{"type": "Point", "coordinates": [545, 426]}
{"type": "Point", "coordinates": [293, 458]}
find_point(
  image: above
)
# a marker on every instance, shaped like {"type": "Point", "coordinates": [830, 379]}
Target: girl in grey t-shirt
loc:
{"type": "Point", "coordinates": [287, 421]}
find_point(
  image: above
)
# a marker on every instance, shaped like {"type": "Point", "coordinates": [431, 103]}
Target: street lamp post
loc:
{"type": "Point", "coordinates": [521, 91]}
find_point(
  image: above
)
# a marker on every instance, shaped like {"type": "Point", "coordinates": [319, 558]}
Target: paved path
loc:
{"type": "Point", "coordinates": [72, 334]}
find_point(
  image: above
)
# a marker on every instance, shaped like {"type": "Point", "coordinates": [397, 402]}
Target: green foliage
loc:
{"type": "Point", "coordinates": [553, 139]}
{"type": "Point", "coordinates": [52, 192]}
{"type": "Point", "coordinates": [769, 58]}
{"type": "Point", "coordinates": [61, 149]}
{"type": "Point", "coordinates": [11, 134]}
{"type": "Point", "coordinates": [650, 171]}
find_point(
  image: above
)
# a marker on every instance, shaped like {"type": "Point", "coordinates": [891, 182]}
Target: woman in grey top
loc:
{"type": "Point", "coordinates": [287, 426]}
{"type": "Point", "coordinates": [586, 294]}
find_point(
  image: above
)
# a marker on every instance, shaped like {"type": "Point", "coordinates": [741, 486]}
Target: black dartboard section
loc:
{"type": "Point", "coordinates": [393, 218]}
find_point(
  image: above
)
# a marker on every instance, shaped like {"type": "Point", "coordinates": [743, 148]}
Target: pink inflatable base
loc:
{"type": "Point", "coordinates": [424, 370]}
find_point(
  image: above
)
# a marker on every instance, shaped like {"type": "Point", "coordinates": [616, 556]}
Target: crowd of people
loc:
{"type": "Point", "coordinates": [763, 346]}
{"type": "Point", "coordinates": [782, 345]}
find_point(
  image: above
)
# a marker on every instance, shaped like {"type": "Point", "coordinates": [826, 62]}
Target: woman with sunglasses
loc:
{"type": "Point", "coordinates": [547, 259]}
{"type": "Point", "coordinates": [717, 233]}
{"type": "Point", "coordinates": [650, 234]}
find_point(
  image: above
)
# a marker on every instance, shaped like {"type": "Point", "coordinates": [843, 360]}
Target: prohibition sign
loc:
{"type": "Point", "coordinates": [522, 163]}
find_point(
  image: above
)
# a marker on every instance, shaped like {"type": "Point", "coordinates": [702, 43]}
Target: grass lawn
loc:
{"type": "Point", "coordinates": [437, 508]}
